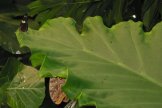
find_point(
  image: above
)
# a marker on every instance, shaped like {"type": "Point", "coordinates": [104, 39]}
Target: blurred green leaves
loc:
{"type": "Point", "coordinates": [10, 16]}
{"type": "Point", "coordinates": [8, 26]}
{"type": "Point", "coordinates": [151, 13]}
{"type": "Point", "coordinates": [112, 11]}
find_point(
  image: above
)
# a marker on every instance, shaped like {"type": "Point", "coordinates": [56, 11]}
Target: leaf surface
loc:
{"type": "Point", "coordinates": [118, 67]}
{"type": "Point", "coordinates": [21, 86]}
{"type": "Point", "coordinates": [26, 89]}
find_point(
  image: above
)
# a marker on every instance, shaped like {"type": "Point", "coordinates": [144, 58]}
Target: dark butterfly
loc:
{"type": "Point", "coordinates": [24, 24]}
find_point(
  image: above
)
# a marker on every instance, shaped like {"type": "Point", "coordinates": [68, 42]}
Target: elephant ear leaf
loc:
{"type": "Point", "coordinates": [118, 67]}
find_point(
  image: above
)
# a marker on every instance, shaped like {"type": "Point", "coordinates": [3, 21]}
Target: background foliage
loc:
{"type": "Point", "coordinates": [112, 11]}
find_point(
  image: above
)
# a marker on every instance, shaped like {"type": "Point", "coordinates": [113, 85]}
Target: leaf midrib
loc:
{"type": "Point", "coordinates": [125, 67]}
{"type": "Point", "coordinates": [19, 88]}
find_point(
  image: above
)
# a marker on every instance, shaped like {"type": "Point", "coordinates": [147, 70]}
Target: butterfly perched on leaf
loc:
{"type": "Point", "coordinates": [24, 23]}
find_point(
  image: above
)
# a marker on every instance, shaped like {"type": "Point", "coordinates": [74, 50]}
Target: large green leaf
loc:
{"type": "Point", "coordinates": [118, 67]}
{"type": "Point", "coordinates": [26, 90]}
{"type": "Point", "coordinates": [21, 86]}
{"type": "Point", "coordinates": [7, 73]}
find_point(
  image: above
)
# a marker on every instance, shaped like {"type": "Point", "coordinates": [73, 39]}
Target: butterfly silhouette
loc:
{"type": "Point", "coordinates": [24, 24]}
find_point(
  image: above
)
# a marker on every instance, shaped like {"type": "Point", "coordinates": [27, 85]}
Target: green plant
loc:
{"type": "Point", "coordinates": [80, 66]}
{"type": "Point", "coordinates": [106, 67]}
{"type": "Point", "coordinates": [20, 86]}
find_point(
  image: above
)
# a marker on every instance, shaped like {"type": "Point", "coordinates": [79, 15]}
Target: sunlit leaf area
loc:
{"type": "Point", "coordinates": [80, 54]}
